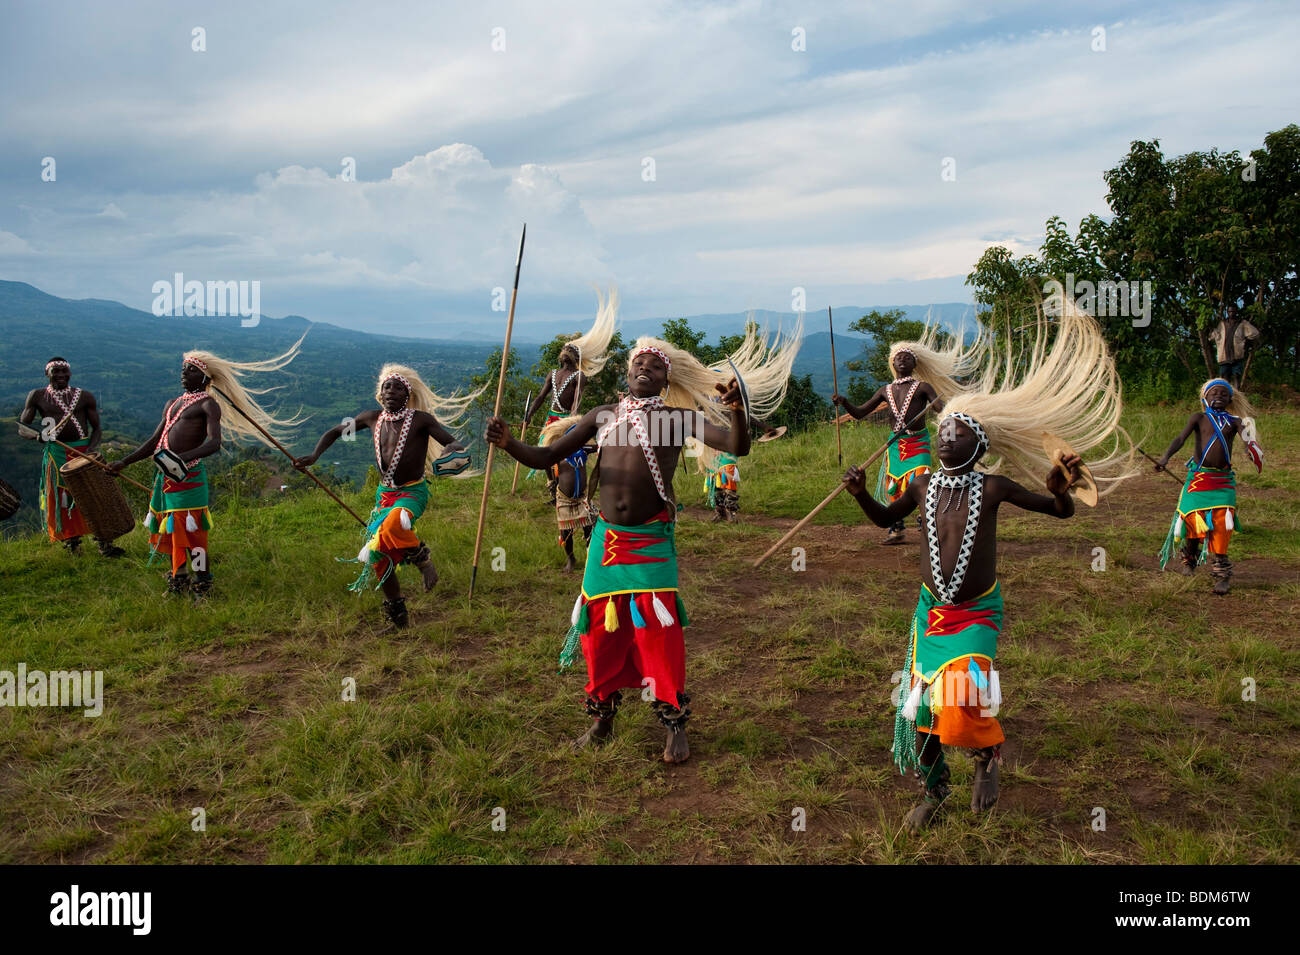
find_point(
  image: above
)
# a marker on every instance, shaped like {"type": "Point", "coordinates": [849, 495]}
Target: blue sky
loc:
{"type": "Point", "coordinates": [774, 168]}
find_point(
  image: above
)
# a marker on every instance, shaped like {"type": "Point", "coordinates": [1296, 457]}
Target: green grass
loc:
{"type": "Point", "coordinates": [1123, 690]}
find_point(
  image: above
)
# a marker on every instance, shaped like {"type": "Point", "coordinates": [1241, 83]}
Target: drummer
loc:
{"type": "Point", "coordinates": [70, 417]}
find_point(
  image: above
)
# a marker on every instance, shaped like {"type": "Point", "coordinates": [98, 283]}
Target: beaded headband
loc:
{"type": "Point", "coordinates": [899, 351]}
{"type": "Point", "coordinates": [668, 363]}
{"type": "Point", "coordinates": [1216, 381]}
{"type": "Point", "coordinates": [198, 363]}
{"type": "Point", "coordinates": [401, 378]}
{"type": "Point", "coordinates": [974, 425]}
{"type": "Point", "coordinates": [56, 364]}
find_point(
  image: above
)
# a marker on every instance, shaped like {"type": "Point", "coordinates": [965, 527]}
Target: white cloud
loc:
{"type": "Point", "coordinates": [774, 168]}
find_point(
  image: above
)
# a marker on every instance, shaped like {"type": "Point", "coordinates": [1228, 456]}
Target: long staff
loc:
{"type": "Point", "coordinates": [285, 451]}
{"type": "Point", "coordinates": [831, 496]}
{"type": "Point", "coordinates": [1163, 469]}
{"type": "Point", "coordinates": [523, 429]}
{"type": "Point", "coordinates": [78, 453]}
{"type": "Point", "coordinates": [835, 378]}
{"type": "Point", "coordinates": [496, 412]}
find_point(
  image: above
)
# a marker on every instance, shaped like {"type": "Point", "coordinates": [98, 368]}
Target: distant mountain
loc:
{"type": "Point", "coordinates": [131, 358]}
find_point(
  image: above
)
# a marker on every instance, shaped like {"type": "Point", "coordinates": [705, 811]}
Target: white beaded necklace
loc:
{"type": "Point", "coordinates": [406, 415]}
{"type": "Point", "coordinates": [957, 485]}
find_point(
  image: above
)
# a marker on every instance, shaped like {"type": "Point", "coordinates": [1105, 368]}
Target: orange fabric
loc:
{"type": "Point", "coordinates": [393, 540]}
{"type": "Point", "coordinates": [74, 525]}
{"type": "Point", "coordinates": [1218, 536]}
{"type": "Point", "coordinates": [960, 720]}
{"type": "Point", "coordinates": [179, 543]}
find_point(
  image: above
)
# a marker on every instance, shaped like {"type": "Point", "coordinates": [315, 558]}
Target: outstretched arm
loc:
{"type": "Point", "coordinates": [145, 449]}
{"type": "Point", "coordinates": [538, 458]}
{"type": "Point", "coordinates": [1056, 504]}
{"type": "Point", "coordinates": [1179, 441]}
{"type": "Point", "coordinates": [860, 412]}
{"type": "Point", "coordinates": [855, 480]}
{"type": "Point", "coordinates": [361, 422]}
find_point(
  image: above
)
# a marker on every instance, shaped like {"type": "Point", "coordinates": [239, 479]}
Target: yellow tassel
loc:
{"type": "Point", "coordinates": [611, 616]}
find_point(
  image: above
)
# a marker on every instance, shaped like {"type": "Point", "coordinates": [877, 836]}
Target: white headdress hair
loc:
{"type": "Point", "coordinates": [450, 412]}
{"type": "Point", "coordinates": [593, 347]}
{"type": "Point", "coordinates": [225, 375]}
{"type": "Point", "coordinates": [764, 365]}
{"type": "Point", "coordinates": [945, 366]}
{"type": "Point", "coordinates": [1065, 383]}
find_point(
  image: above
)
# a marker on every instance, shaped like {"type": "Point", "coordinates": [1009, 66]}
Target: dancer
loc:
{"type": "Point", "coordinates": [580, 360]}
{"type": "Point", "coordinates": [71, 416]}
{"type": "Point", "coordinates": [629, 616]}
{"type": "Point", "coordinates": [408, 437]}
{"type": "Point", "coordinates": [721, 484]}
{"type": "Point", "coordinates": [1207, 507]}
{"type": "Point", "coordinates": [573, 510]}
{"type": "Point", "coordinates": [214, 403]}
{"type": "Point", "coordinates": [926, 376]}
{"type": "Point", "coordinates": [951, 692]}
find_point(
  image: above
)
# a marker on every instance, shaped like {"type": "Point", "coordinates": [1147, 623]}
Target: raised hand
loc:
{"type": "Point", "coordinates": [730, 393]}
{"type": "Point", "coordinates": [1063, 474]}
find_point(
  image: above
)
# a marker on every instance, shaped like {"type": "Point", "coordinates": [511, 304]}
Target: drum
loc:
{"type": "Point", "coordinates": [101, 501]}
{"type": "Point", "coordinates": [170, 464]}
{"type": "Point", "coordinates": [10, 501]}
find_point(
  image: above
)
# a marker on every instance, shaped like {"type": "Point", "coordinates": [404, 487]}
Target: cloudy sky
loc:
{"type": "Point", "coordinates": [688, 151]}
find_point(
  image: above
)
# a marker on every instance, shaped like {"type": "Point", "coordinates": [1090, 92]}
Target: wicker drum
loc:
{"type": "Point", "coordinates": [101, 501]}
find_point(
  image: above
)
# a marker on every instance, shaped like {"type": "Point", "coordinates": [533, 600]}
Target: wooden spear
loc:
{"type": "Point", "coordinates": [285, 451]}
{"type": "Point", "coordinates": [835, 378]}
{"type": "Point", "coordinates": [496, 412]}
{"type": "Point", "coordinates": [831, 496]}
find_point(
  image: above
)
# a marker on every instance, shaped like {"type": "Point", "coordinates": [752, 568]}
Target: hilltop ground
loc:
{"type": "Point", "coordinates": [1123, 690]}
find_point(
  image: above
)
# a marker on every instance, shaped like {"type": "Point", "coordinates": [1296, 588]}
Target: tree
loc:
{"type": "Point", "coordinates": [872, 364]}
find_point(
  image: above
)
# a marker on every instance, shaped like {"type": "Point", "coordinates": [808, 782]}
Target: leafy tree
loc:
{"type": "Point", "coordinates": [1205, 229]}
{"type": "Point", "coordinates": [872, 364]}
{"type": "Point", "coordinates": [802, 407]}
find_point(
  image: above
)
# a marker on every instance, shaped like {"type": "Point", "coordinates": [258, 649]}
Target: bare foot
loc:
{"type": "Point", "coordinates": [984, 791]}
{"type": "Point", "coordinates": [676, 749]}
{"type": "Point", "coordinates": [597, 734]}
{"type": "Point", "coordinates": [920, 815]}
{"type": "Point", "coordinates": [570, 565]}
{"type": "Point", "coordinates": [1221, 587]}
{"type": "Point", "coordinates": [1186, 569]}
{"type": "Point", "coordinates": [429, 574]}
{"type": "Point", "coordinates": [894, 537]}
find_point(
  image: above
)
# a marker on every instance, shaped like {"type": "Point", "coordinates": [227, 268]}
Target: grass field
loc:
{"type": "Point", "coordinates": [1122, 691]}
